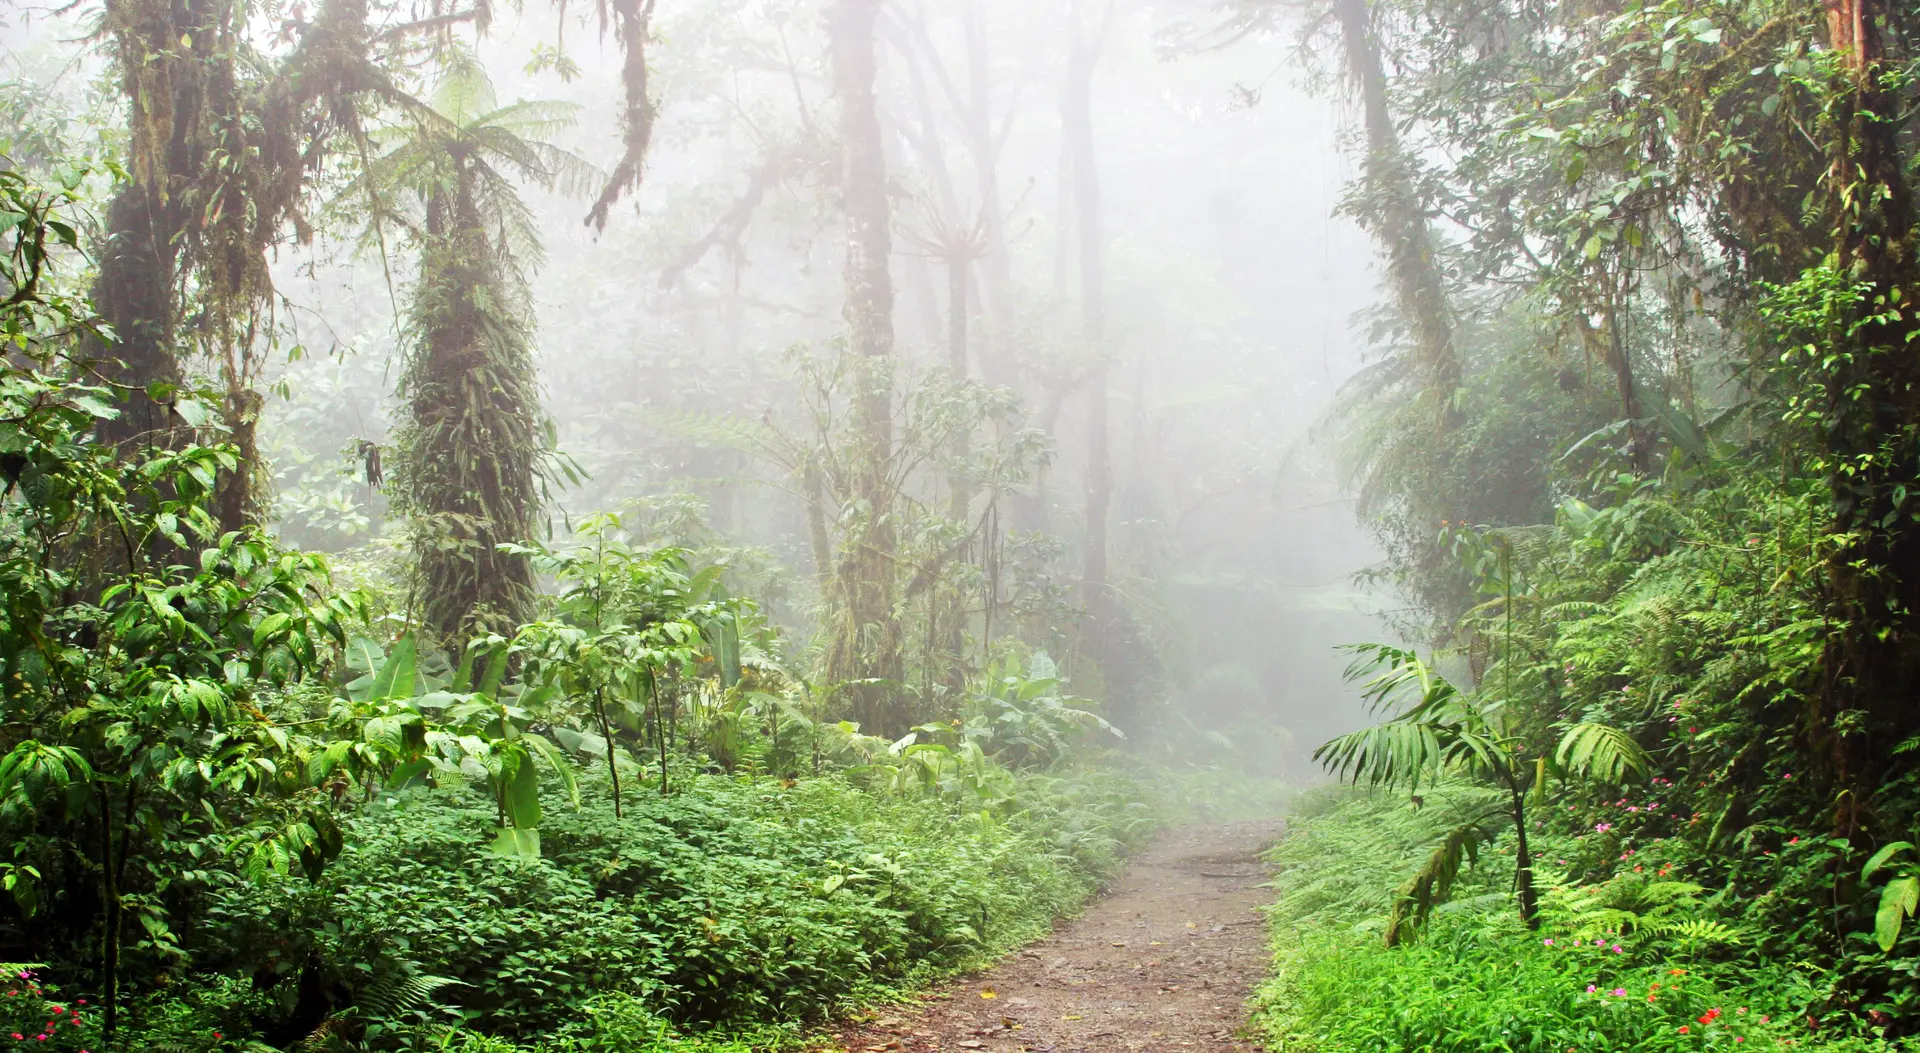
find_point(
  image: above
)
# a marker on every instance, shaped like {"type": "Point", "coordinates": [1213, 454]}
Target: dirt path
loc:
{"type": "Point", "coordinates": [1163, 962]}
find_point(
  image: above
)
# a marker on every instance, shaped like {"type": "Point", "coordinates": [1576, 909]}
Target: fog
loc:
{"type": "Point", "coordinates": [667, 343]}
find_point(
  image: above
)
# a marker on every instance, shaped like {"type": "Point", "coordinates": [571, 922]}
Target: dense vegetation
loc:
{"type": "Point", "coordinates": [1641, 444]}
{"type": "Point", "coordinates": [678, 644]}
{"type": "Point", "coordinates": [234, 818]}
{"type": "Point", "coordinates": [248, 807]}
{"type": "Point", "coordinates": [343, 708]}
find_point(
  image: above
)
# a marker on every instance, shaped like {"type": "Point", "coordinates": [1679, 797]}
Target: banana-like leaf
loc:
{"type": "Point", "coordinates": [1879, 859]}
{"type": "Point", "coordinates": [520, 795]}
{"type": "Point", "coordinates": [395, 676]}
{"type": "Point", "coordinates": [521, 843]}
{"type": "Point", "coordinates": [1898, 901]}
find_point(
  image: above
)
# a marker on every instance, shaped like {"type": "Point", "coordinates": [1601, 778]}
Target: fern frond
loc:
{"type": "Point", "coordinates": [1600, 751]}
{"type": "Point", "coordinates": [1698, 932]}
{"type": "Point", "coordinates": [1428, 888]}
{"type": "Point", "coordinates": [400, 993]}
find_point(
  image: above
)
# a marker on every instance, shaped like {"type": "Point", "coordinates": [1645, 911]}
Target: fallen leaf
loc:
{"type": "Point", "coordinates": [971, 1044]}
{"type": "Point", "coordinates": [1073, 1017]}
{"type": "Point", "coordinates": [988, 992]}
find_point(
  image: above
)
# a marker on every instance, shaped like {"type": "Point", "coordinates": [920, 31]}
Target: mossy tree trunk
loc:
{"type": "Point", "coordinates": [864, 649]}
{"type": "Point", "coordinates": [469, 449]}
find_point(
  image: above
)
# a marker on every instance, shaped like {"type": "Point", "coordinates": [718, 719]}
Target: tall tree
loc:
{"type": "Point", "coordinates": [1398, 220]}
{"type": "Point", "coordinates": [224, 142]}
{"type": "Point", "coordinates": [469, 469]}
{"type": "Point", "coordinates": [864, 646]}
{"type": "Point", "coordinates": [1873, 425]}
{"type": "Point", "coordinates": [1104, 616]}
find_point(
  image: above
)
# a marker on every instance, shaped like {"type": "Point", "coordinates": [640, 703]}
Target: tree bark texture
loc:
{"type": "Point", "coordinates": [1872, 665]}
{"type": "Point", "coordinates": [865, 643]}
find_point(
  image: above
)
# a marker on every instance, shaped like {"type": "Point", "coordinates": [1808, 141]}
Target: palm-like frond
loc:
{"type": "Point", "coordinates": [1429, 886]}
{"type": "Point", "coordinates": [1436, 727]}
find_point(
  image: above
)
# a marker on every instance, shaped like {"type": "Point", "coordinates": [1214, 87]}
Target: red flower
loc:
{"type": "Point", "coordinates": [1683, 1029]}
{"type": "Point", "coordinates": [1710, 1016]}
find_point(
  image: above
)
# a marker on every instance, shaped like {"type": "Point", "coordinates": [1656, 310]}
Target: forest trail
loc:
{"type": "Point", "coordinates": [1164, 961]}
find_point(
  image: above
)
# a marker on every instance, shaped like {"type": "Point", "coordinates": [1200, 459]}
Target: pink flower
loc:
{"type": "Point", "coordinates": [1590, 989]}
{"type": "Point", "coordinates": [1548, 942]}
{"type": "Point", "coordinates": [1619, 992]}
{"type": "Point", "coordinates": [1617, 950]}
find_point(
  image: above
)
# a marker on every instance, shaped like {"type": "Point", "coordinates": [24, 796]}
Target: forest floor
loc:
{"type": "Point", "coordinates": [1164, 961]}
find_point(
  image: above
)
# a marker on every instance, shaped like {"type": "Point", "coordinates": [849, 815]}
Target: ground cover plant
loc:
{"type": "Point", "coordinates": [1644, 960]}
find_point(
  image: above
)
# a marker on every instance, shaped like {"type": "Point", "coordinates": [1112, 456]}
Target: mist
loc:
{"type": "Point", "coordinates": [1231, 289]}
{"type": "Point", "coordinates": [668, 342]}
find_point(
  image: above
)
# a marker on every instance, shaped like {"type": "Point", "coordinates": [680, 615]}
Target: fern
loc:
{"type": "Point", "coordinates": [1697, 933]}
{"type": "Point", "coordinates": [1428, 888]}
{"type": "Point", "coordinates": [400, 993]}
{"type": "Point", "coordinates": [1602, 752]}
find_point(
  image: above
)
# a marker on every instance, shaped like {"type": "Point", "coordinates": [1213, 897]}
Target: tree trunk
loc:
{"type": "Point", "coordinates": [996, 361]}
{"type": "Point", "coordinates": [865, 642]}
{"type": "Point", "coordinates": [1077, 119]}
{"type": "Point", "coordinates": [1871, 666]}
{"type": "Point", "coordinates": [1397, 219]}
{"type": "Point", "coordinates": [473, 437]}
{"type": "Point", "coordinates": [1523, 859]}
{"type": "Point", "coordinates": [1639, 443]}
{"type": "Point", "coordinates": [960, 496]}
{"type": "Point", "coordinates": [134, 294]}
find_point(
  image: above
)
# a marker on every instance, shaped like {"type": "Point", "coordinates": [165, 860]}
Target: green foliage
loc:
{"type": "Point", "coordinates": [1636, 962]}
{"type": "Point", "coordinates": [473, 454]}
{"type": "Point", "coordinates": [32, 1010]}
{"type": "Point", "coordinates": [737, 900]}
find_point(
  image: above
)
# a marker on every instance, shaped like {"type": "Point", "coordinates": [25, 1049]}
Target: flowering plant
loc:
{"type": "Point", "coordinates": [34, 1016]}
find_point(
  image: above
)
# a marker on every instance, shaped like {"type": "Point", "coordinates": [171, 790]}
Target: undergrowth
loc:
{"type": "Point", "coordinates": [1636, 965]}
{"type": "Point", "coordinates": [729, 915]}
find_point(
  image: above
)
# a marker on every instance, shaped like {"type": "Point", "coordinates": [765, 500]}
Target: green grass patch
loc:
{"type": "Point", "coordinates": [1477, 980]}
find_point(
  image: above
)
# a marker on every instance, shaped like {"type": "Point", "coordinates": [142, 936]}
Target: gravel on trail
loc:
{"type": "Point", "coordinates": [1165, 961]}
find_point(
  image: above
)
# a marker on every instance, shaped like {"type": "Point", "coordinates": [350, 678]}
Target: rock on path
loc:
{"type": "Point", "coordinates": [1164, 962]}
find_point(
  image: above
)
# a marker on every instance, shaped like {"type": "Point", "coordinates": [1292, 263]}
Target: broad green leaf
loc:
{"type": "Point", "coordinates": [395, 678]}
{"type": "Point", "coordinates": [1879, 859]}
{"type": "Point", "coordinates": [1897, 902]}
